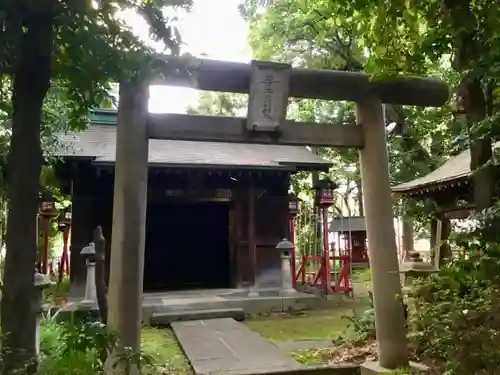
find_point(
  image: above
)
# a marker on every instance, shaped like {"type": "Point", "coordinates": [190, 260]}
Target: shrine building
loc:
{"type": "Point", "coordinates": [215, 211]}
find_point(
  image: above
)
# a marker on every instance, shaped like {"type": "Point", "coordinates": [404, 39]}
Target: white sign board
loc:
{"type": "Point", "coordinates": [268, 96]}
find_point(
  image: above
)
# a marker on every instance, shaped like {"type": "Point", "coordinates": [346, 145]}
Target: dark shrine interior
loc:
{"type": "Point", "coordinates": [187, 246]}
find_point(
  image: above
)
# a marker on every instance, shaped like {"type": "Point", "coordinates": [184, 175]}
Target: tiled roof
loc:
{"type": "Point", "coordinates": [455, 168]}
{"type": "Point", "coordinates": [99, 141]}
{"type": "Point", "coordinates": [347, 224]}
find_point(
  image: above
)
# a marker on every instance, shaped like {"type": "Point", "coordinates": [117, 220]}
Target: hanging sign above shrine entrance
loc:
{"type": "Point", "coordinates": [268, 96]}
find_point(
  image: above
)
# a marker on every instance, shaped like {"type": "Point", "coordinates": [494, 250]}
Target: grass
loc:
{"type": "Point", "coordinates": [315, 324]}
{"type": "Point", "coordinates": [361, 279]}
{"type": "Point", "coordinates": [307, 325]}
{"type": "Point", "coordinates": [162, 346]}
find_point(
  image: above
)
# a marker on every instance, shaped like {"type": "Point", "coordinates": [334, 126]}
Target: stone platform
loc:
{"type": "Point", "coordinates": [259, 301]}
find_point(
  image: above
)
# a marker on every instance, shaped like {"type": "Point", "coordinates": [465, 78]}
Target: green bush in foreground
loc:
{"type": "Point", "coordinates": [456, 317]}
{"type": "Point", "coordinates": [73, 347]}
{"type": "Point", "coordinates": [455, 320]}
{"type": "Point", "coordinates": [361, 326]}
{"type": "Point", "coordinates": [82, 348]}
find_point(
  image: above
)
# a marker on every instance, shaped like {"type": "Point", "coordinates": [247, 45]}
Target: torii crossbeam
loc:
{"type": "Point", "coordinates": [269, 86]}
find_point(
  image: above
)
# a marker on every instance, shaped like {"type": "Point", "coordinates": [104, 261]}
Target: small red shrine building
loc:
{"type": "Point", "coordinates": [350, 233]}
{"type": "Point", "coordinates": [215, 210]}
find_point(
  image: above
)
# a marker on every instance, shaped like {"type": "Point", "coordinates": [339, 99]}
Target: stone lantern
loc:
{"type": "Point", "coordinates": [40, 283]}
{"type": "Point", "coordinates": [286, 248]}
{"type": "Point", "coordinates": [89, 253]}
{"type": "Point", "coordinates": [415, 267]}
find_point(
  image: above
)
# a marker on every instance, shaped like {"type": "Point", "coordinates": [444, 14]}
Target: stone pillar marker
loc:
{"type": "Point", "coordinates": [129, 218]}
{"type": "Point", "coordinates": [382, 250]}
{"type": "Point", "coordinates": [90, 288]}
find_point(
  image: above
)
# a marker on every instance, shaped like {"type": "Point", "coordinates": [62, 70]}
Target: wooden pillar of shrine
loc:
{"type": "Point", "coordinates": [82, 222]}
{"type": "Point", "coordinates": [252, 245]}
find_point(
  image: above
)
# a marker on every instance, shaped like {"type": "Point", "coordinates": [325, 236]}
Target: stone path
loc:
{"type": "Point", "coordinates": [224, 346]}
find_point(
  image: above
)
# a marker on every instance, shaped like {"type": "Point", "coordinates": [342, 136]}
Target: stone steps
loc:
{"type": "Point", "coordinates": [165, 318]}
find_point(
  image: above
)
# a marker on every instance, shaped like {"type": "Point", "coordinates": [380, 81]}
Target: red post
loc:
{"type": "Point", "coordinates": [292, 257]}
{"type": "Point", "coordinates": [64, 267]}
{"type": "Point", "coordinates": [326, 249]}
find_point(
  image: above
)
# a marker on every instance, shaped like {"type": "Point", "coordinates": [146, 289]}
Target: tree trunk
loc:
{"type": "Point", "coordinates": [30, 84]}
{"type": "Point", "coordinates": [480, 145]}
{"type": "Point", "coordinates": [473, 100]}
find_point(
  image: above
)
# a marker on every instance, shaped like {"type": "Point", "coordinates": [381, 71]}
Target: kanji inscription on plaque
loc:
{"type": "Point", "coordinates": [268, 96]}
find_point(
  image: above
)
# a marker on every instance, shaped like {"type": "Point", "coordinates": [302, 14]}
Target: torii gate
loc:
{"type": "Point", "coordinates": [269, 86]}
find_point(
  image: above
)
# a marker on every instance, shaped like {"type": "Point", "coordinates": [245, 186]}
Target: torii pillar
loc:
{"type": "Point", "coordinates": [129, 220]}
{"type": "Point", "coordinates": [382, 248]}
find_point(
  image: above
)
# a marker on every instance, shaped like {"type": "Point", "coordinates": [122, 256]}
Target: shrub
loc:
{"type": "Point", "coordinates": [81, 348]}
{"type": "Point", "coordinates": [456, 312]}
{"type": "Point", "coordinates": [362, 322]}
{"type": "Point", "coordinates": [73, 347]}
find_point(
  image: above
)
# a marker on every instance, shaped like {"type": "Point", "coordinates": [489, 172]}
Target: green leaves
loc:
{"type": "Point", "coordinates": [93, 47]}
{"type": "Point", "coordinates": [455, 319]}
{"type": "Point", "coordinates": [383, 38]}
{"type": "Point", "coordinates": [220, 104]}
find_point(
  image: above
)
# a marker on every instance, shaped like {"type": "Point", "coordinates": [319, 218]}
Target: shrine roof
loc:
{"type": "Point", "coordinates": [455, 171]}
{"type": "Point", "coordinates": [98, 142]}
{"type": "Point", "coordinates": [347, 224]}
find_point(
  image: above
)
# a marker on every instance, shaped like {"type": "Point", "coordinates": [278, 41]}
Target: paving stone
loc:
{"type": "Point", "coordinates": [224, 346]}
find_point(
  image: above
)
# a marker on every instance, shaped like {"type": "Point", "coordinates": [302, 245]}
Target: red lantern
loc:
{"type": "Point", "coordinates": [47, 207]}
{"type": "Point", "coordinates": [293, 205]}
{"type": "Point", "coordinates": [326, 197]}
{"type": "Point", "coordinates": [47, 212]}
{"type": "Point", "coordinates": [325, 189]}
{"type": "Point", "coordinates": [64, 220]}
